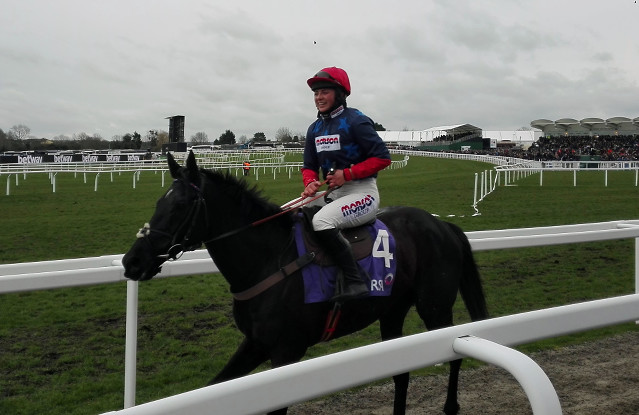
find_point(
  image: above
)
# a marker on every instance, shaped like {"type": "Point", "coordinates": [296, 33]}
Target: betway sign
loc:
{"type": "Point", "coordinates": [30, 159]}
{"type": "Point", "coordinates": [71, 158]}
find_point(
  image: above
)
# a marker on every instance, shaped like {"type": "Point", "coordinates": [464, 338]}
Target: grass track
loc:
{"type": "Point", "coordinates": [62, 351]}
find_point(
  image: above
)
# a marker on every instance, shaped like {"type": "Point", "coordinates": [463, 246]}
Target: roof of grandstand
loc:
{"type": "Point", "coordinates": [588, 126]}
{"type": "Point", "coordinates": [429, 134]}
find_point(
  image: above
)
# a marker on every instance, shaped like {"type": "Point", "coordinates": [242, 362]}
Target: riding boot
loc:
{"type": "Point", "coordinates": [349, 281]}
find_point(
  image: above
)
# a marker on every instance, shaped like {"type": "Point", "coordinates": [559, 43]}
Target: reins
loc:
{"type": "Point", "coordinates": [294, 204]}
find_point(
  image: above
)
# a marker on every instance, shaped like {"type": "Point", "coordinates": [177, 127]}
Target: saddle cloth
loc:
{"type": "Point", "coordinates": [374, 248]}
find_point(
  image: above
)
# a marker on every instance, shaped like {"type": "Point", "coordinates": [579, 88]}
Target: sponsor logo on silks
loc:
{"type": "Point", "coordinates": [388, 279]}
{"type": "Point", "coordinates": [29, 159]}
{"type": "Point", "coordinates": [358, 207]}
{"type": "Point", "coordinates": [379, 285]}
{"type": "Point", "coordinates": [327, 143]}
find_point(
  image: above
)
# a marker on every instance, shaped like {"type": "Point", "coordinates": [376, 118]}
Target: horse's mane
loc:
{"type": "Point", "coordinates": [249, 199]}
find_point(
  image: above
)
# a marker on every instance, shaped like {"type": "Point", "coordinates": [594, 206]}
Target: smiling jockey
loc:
{"type": "Point", "coordinates": [344, 145]}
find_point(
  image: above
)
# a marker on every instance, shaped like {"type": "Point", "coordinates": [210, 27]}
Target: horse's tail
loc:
{"type": "Point", "coordinates": [470, 285]}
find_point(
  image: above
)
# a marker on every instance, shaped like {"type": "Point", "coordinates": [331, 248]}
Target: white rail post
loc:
{"type": "Point", "coordinates": [130, 353]}
{"type": "Point", "coordinates": [538, 388]}
{"type": "Point", "coordinates": [636, 265]}
{"type": "Point", "coordinates": [475, 192]}
{"type": "Point", "coordinates": [8, 184]}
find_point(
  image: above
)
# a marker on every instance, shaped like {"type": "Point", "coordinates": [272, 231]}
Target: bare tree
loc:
{"type": "Point", "coordinates": [19, 132]}
{"type": "Point", "coordinates": [199, 138]}
{"type": "Point", "coordinates": [283, 135]}
{"type": "Point", "coordinates": [163, 138]}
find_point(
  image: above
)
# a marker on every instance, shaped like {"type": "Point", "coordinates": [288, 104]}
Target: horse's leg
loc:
{"type": "Point", "coordinates": [246, 358]}
{"type": "Point", "coordinates": [452, 406]}
{"type": "Point", "coordinates": [288, 352]}
{"type": "Point", "coordinates": [391, 327]}
{"type": "Point", "coordinates": [436, 319]}
{"type": "Point", "coordinates": [437, 312]}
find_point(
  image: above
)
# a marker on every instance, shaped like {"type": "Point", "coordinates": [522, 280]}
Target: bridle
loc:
{"type": "Point", "coordinates": [178, 247]}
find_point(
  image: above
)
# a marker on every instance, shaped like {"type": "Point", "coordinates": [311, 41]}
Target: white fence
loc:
{"type": "Point", "coordinates": [492, 336]}
{"type": "Point", "coordinates": [265, 163]}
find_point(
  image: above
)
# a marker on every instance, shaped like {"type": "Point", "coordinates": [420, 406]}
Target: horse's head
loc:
{"type": "Point", "coordinates": [173, 228]}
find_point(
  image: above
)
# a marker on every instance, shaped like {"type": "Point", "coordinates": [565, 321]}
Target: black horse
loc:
{"type": "Point", "coordinates": [434, 261]}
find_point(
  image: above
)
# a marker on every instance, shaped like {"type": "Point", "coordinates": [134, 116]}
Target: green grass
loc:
{"type": "Point", "coordinates": [62, 351]}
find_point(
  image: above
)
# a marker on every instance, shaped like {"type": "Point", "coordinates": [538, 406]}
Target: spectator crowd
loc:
{"type": "Point", "coordinates": [569, 148]}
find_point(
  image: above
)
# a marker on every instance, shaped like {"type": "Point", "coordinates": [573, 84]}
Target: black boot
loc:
{"type": "Point", "coordinates": [349, 281]}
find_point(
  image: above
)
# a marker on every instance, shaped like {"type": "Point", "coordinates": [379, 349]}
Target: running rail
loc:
{"type": "Point", "coordinates": [284, 386]}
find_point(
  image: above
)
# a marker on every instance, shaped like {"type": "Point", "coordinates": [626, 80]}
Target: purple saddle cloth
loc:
{"type": "Point", "coordinates": [380, 264]}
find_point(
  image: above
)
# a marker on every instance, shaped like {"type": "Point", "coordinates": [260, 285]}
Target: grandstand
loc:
{"type": "Point", "coordinates": [435, 138]}
{"type": "Point", "coordinates": [458, 137]}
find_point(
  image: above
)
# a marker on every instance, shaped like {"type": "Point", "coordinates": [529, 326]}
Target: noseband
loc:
{"type": "Point", "coordinates": [179, 247]}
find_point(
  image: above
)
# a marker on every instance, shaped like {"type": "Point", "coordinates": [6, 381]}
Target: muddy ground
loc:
{"type": "Point", "coordinates": [595, 378]}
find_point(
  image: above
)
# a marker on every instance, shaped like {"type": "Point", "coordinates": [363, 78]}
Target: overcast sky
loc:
{"type": "Point", "coordinates": [114, 67]}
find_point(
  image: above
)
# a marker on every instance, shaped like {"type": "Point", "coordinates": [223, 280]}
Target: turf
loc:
{"type": "Point", "coordinates": [62, 351]}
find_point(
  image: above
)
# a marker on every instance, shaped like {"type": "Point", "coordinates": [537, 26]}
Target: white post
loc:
{"type": "Point", "coordinates": [95, 186]}
{"type": "Point", "coordinates": [574, 178]}
{"type": "Point", "coordinates": [130, 353]}
{"type": "Point", "coordinates": [637, 266]}
{"type": "Point", "coordinates": [606, 178]}
{"type": "Point", "coordinates": [541, 178]}
{"type": "Point", "coordinates": [475, 192]}
{"type": "Point", "coordinates": [8, 184]}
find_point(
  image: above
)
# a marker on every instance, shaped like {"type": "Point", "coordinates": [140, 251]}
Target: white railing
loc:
{"type": "Point", "coordinates": [485, 340]}
{"type": "Point", "coordinates": [514, 171]}
{"type": "Point", "coordinates": [233, 161]}
{"type": "Point", "coordinates": [107, 269]}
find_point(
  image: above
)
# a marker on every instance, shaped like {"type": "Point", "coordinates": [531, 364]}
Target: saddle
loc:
{"type": "Point", "coordinates": [359, 237]}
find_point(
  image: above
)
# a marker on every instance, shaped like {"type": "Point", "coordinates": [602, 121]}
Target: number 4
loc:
{"type": "Point", "coordinates": [381, 247]}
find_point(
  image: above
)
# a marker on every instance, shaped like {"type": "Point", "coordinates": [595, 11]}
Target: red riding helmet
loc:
{"type": "Point", "coordinates": [330, 78]}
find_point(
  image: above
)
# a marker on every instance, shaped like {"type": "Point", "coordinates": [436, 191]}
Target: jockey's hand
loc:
{"type": "Point", "coordinates": [336, 179]}
{"type": "Point", "coordinates": [311, 189]}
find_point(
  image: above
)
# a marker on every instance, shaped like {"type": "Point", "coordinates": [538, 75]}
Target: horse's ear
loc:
{"type": "Point", "coordinates": [191, 166]}
{"type": "Point", "coordinates": [173, 166]}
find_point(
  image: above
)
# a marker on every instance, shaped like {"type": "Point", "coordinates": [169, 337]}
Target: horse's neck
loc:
{"type": "Point", "coordinates": [246, 258]}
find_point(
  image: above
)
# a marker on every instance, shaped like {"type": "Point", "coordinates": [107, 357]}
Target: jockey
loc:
{"type": "Point", "coordinates": [343, 146]}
